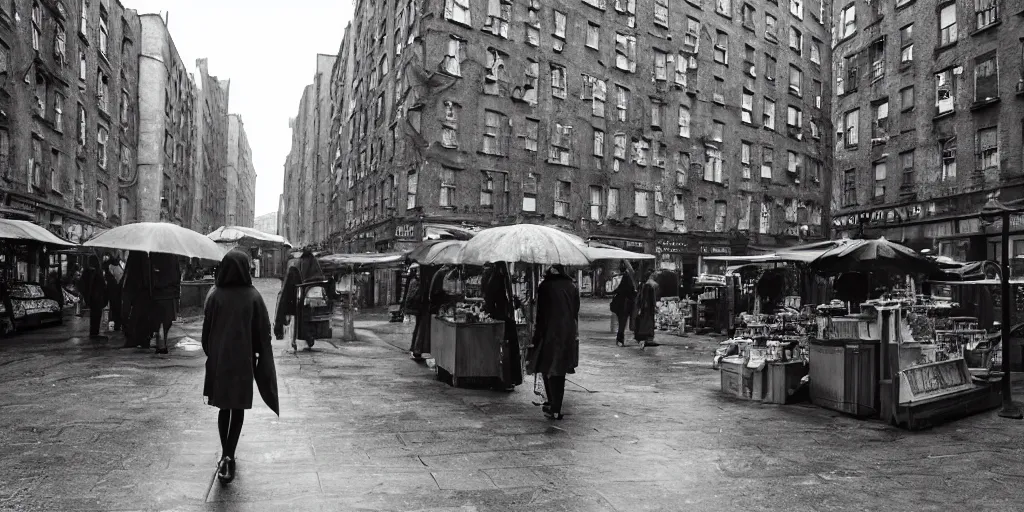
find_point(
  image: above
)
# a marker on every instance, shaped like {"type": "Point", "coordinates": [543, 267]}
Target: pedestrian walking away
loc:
{"type": "Point", "coordinates": [111, 275]}
{"type": "Point", "coordinates": [136, 301]}
{"type": "Point", "coordinates": [555, 350]}
{"type": "Point", "coordinates": [236, 340]}
{"type": "Point", "coordinates": [623, 302]}
{"type": "Point", "coordinates": [646, 304]}
{"type": "Point", "coordinates": [94, 289]}
{"type": "Point", "coordinates": [498, 303]}
{"type": "Point", "coordinates": [166, 290]}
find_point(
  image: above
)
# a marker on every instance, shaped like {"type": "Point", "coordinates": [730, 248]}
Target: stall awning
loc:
{"type": "Point", "coordinates": [27, 231]}
{"type": "Point", "coordinates": [242, 235]}
{"type": "Point", "coordinates": [448, 232]}
{"type": "Point", "coordinates": [369, 258]}
{"type": "Point", "coordinates": [797, 254]}
{"type": "Point", "coordinates": [598, 251]}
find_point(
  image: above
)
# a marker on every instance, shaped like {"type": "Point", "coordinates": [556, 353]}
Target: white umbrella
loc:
{"type": "Point", "coordinates": [243, 235]}
{"type": "Point", "coordinates": [160, 237]}
{"type": "Point", "coordinates": [524, 243]}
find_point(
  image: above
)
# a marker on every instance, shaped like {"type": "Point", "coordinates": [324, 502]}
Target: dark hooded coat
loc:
{"type": "Point", "coordinates": [305, 270]}
{"type": "Point", "coordinates": [556, 345]}
{"type": "Point", "coordinates": [498, 303]}
{"type": "Point", "coordinates": [236, 340]}
{"type": "Point", "coordinates": [94, 286]}
{"type": "Point", "coordinates": [646, 306]}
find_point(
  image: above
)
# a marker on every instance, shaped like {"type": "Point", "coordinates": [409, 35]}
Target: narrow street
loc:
{"type": "Point", "coordinates": [89, 426]}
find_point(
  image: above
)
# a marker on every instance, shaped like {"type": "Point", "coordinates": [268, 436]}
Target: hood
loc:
{"type": "Point", "coordinates": [234, 270]}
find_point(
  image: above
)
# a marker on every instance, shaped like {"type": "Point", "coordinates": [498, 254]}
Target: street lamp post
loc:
{"type": "Point", "coordinates": [994, 209]}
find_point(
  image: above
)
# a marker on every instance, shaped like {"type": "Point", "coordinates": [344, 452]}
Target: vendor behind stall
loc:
{"type": "Point", "coordinates": [498, 303]}
{"type": "Point", "coordinates": [431, 297]}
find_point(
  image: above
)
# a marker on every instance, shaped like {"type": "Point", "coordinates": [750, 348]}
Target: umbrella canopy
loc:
{"type": "Point", "coordinates": [161, 237]}
{"type": "Point", "coordinates": [872, 255]}
{"type": "Point", "coordinates": [25, 230]}
{"type": "Point", "coordinates": [437, 252]}
{"type": "Point", "coordinates": [525, 243]}
{"type": "Point", "coordinates": [246, 236]}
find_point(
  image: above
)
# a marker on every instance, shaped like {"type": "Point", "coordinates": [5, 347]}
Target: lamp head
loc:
{"type": "Point", "coordinates": [994, 210]}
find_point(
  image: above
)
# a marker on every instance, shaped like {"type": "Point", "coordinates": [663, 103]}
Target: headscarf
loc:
{"type": "Point", "coordinates": [233, 271]}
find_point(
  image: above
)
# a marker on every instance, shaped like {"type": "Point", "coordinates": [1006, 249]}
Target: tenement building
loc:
{"type": "Point", "coordinates": [209, 203]}
{"type": "Point", "coordinates": [241, 192]}
{"type": "Point", "coordinates": [68, 122]}
{"type": "Point", "coordinates": [929, 113]}
{"type": "Point", "coordinates": [672, 127]}
{"type": "Point", "coordinates": [167, 134]}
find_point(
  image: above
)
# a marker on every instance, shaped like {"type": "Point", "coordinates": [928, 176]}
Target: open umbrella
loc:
{"type": "Point", "coordinates": [873, 255]}
{"type": "Point", "coordinates": [524, 243]}
{"type": "Point", "coordinates": [160, 237]}
{"type": "Point", "coordinates": [241, 235]}
{"type": "Point", "coordinates": [437, 252]}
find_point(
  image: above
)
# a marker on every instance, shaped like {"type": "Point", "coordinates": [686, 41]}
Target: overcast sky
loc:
{"type": "Point", "coordinates": [268, 50]}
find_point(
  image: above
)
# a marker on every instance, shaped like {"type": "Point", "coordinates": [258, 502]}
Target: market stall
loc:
{"type": "Point", "coordinates": [31, 282]}
{"type": "Point", "coordinates": [351, 274]}
{"type": "Point", "coordinates": [263, 248]}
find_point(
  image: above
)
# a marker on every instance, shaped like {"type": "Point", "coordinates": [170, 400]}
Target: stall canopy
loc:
{"type": "Point", "coordinates": [27, 231]}
{"type": "Point", "coordinates": [337, 261]}
{"type": "Point", "coordinates": [598, 251]}
{"type": "Point", "coordinates": [525, 243]}
{"type": "Point", "coordinates": [873, 255]}
{"type": "Point", "coordinates": [448, 232]}
{"type": "Point", "coordinates": [437, 252]}
{"type": "Point", "coordinates": [244, 236]}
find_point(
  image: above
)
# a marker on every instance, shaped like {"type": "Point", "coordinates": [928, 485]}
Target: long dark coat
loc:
{"type": "Point", "coordinates": [94, 287]}
{"type": "Point", "coordinates": [305, 270]}
{"type": "Point", "coordinates": [497, 303]}
{"type": "Point", "coordinates": [646, 303]}
{"type": "Point", "coordinates": [431, 297]}
{"type": "Point", "coordinates": [236, 340]}
{"type": "Point", "coordinates": [136, 298]}
{"type": "Point", "coordinates": [166, 289]}
{"type": "Point", "coordinates": [625, 296]}
{"type": "Point", "coordinates": [556, 345]}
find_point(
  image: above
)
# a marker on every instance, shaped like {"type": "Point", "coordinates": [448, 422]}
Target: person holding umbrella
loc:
{"type": "Point", "coordinates": [94, 290]}
{"type": "Point", "coordinates": [236, 341]}
{"type": "Point", "coordinates": [555, 350]}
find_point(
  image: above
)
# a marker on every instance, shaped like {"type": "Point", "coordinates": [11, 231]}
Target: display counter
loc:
{"type": "Point", "coordinates": [466, 350]}
{"type": "Point", "coordinates": [844, 375]}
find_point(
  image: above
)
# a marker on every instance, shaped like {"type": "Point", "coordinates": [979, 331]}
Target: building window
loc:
{"type": "Point", "coordinates": [660, 65]}
{"type": "Point", "coordinates": [880, 175]}
{"type": "Point", "coordinates": [641, 148]}
{"type": "Point", "coordinates": [986, 78]}
{"type": "Point", "coordinates": [621, 102]}
{"type": "Point", "coordinates": [450, 125]}
{"type": "Point", "coordinates": [640, 203]}
{"type": "Point", "coordinates": [907, 44]}
{"type": "Point", "coordinates": [769, 68]}
{"type": "Point", "coordinates": [849, 187]}
{"type": "Point", "coordinates": [596, 194]}
{"type": "Point", "coordinates": [907, 98]}
{"type": "Point", "coordinates": [747, 13]}
{"type": "Point", "coordinates": [684, 121]}
{"type": "Point", "coordinates": [79, 186]}
{"type": "Point", "coordinates": [945, 91]}
{"type": "Point", "coordinates": [691, 39]}
{"type": "Point", "coordinates": [767, 161]}
{"type": "Point", "coordinates": [102, 91]}
{"type": "Point", "coordinates": [558, 85]}
{"type": "Point", "coordinates": [720, 216]}
{"type": "Point", "coordinates": [447, 197]}
{"type": "Point", "coordinates": [613, 202]}
{"type": "Point", "coordinates": [988, 148]}
{"type": "Point", "coordinates": [559, 33]}
{"type": "Point", "coordinates": [815, 51]}
{"type": "Point", "coordinates": [411, 187]}
{"type": "Point", "coordinates": [949, 159]}
{"type": "Point", "coordinates": [713, 165]}
{"type": "Point", "coordinates": [745, 154]}
{"type": "Point", "coordinates": [60, 45]}
{"type": "Point", "coordinates": [848, 21]}
{"type": "Point", "coordinates": [747, 106]}
{"type": "Point", "coordinates": [907, 163]}
{"type": "Point", "coordinates": [794, 120]}
{"type": "Point", "coordinates": [852, 128]}
{"type": "Point", "coordinates": [104, 31]}
{"type": "Point", "coordinates": [771, 28]}
{"type": "Point", "coordinates": [35, 165]}
{"type": "Point", "coordinates": [768, 115]}
{"type": "Point", "coordinates": [563, 194]}
{"type": "Point", "coordinates": [815, 131]}
{"type": "Point", "coordinates": [530, 193]}
{"type": "Point", "coordinates": [880, 126]}
{"type": "Point", "coordinates": [102, 136]}
{"type": "Point", "coordinates": [561, 145]}
{"type": "Point", "coordinates": [796, 40]}
{"type": "Point", "coordinates": [457, 11]}
{"type": "Point", "coordinates": [682, 169]}
{"type": "Point", "coordinates": [625, 52]}
{"type": "Point", "coordinates": [718, 93]}
{"type": "Point", "coordinates": [657, 114]}
{"type": "Point", "coordinates": [947, 24]}
{"type": "Point", "coordinates": [816, 90]}
{"type": "Point", "coordinates": [83, 23]}
{"type": "Point", "coordinates": [593, 35]}
{"type": "Point", "coordinates": [494, 125]}
{"type": "Point", "coordinates": [499, 13]}
{"type": "Point", "coordinates": [724, 7]}
{"type": "Point", "coordinates": [721, 47]}
{"type": "Point", "coordinates": [678, 208]}
{"type": "Point", "coordinates": [598, 143]}
{"type": "Point", "coordinates": [58, 112]}
{"type": "Point", "coordinates": [81, 125]}
{"type": "Point", "coordinates": [796, 79]}
{"type": "Point", "coordinates": [452, 62]}
{"type": "Point", "coordinates": [619, 151]}
{"type": "Point", "coordinates": [877, 56]}
{"type": "Point", "coordinates": [101, 199]}
{"type": "Point", "coordinates": [987, 12]}
{"type": "Point", "coordinates": [37, 25]}
{"type": "Point", "coordinates": [661, 13]}
{"type": "Point", "coordinates": [532, 129]}
{"type": "Point", "coordinates": [795, 164]}
{"type": "Point", "coordinates": [717, 131]}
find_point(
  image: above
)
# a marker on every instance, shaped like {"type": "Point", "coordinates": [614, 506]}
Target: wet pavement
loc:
{"type": "Point", "coordinates": [85, 425]}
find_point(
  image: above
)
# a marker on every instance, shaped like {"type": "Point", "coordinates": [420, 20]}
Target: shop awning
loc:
{"type": "Point", "coordinates": [27, 231]}
{"type": "Point", "coordinates": [369, 258]}
{"type": "Point", "coordinates": [598, 251]}
{"type": "Point", "coordinates": [448, 232]}
{"type": "Point", "coordinates": [796, 254]}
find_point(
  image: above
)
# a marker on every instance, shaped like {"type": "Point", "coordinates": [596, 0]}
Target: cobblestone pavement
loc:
{"type": "Point", "coordinates": [86, 425]}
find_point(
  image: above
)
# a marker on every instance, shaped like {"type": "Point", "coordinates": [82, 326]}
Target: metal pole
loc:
{"type": "Point", "coordinates": [1009, 410]}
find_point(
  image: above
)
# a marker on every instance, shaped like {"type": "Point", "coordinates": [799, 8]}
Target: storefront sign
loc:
{"type": "Point", "coordinates": [710, 280]}
{"type": "Point", "coordinates": [405, 232]}
{"type": "Point", "coordinates": [715, 250]}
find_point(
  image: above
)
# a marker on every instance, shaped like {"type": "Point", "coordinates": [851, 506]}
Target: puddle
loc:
{"type": "Point", "coordinates": [188, 344]}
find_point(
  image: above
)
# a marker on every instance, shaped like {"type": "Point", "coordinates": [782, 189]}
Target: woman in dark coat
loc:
{"type": "Point", "coordinates": [555, 351]}
{"type": "Point", "coordinates": [136, 301]}
{"type": "Point", "coordinates": [165, 283]}
{"type": "Point", "coordinates": [306, 270]}
{"type": "Point", "coordinates": [623, 302]}
{"type": "Point", "coordinates": [498, 304]}
{"type": "Point", "coordinates": [236, 340]}
{"type": "Point", "coordinates": [646, 304]}
{"type": "Point", "coordinates": [431, 297]}
{"type": "Point", "coordinates": [114, 292]}
{"type": "Point", "coordinates": [411, 305]}
{"type": "Point", "coordinates": [94, 289]}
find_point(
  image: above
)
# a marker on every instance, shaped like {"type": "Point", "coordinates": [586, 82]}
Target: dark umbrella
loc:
{"type": "Point", "coordinates": [873, 256]}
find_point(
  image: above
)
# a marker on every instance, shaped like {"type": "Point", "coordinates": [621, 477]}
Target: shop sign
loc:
{"type": "Point", "coordinates": [405, 232]}
{"type": "Point", "coordinates": [715, 250]}
{"type": "Point", "coordinates": [633, 245]}
{"type": "Point", "coordinates": [673, 247]}
{"type": "Point", "coordinates": [884, 215]}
